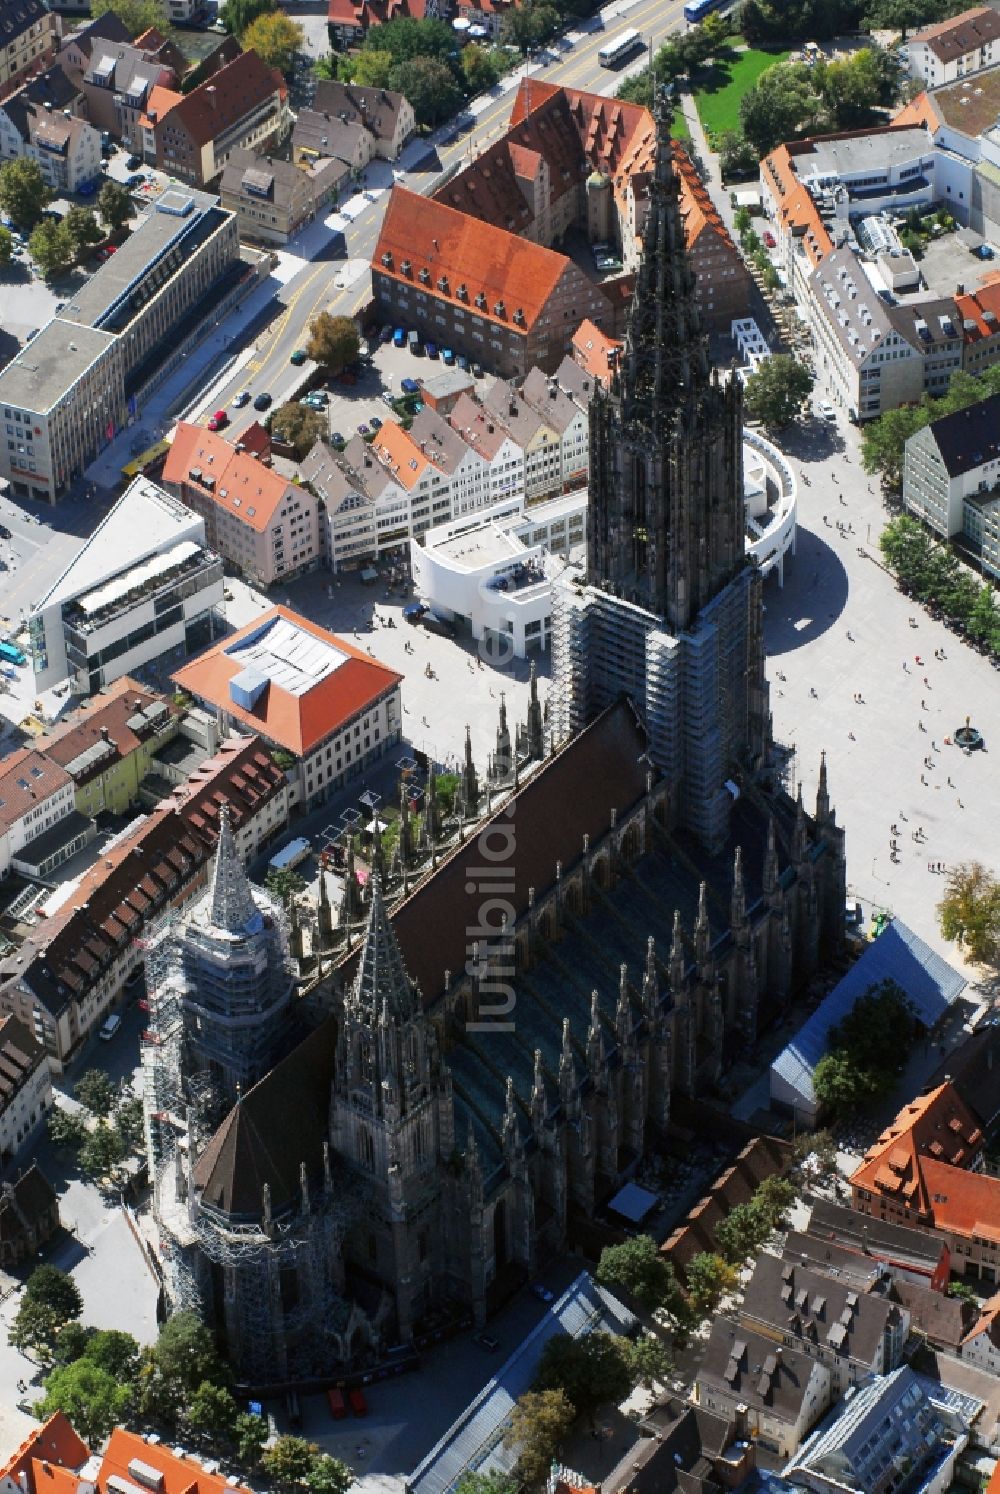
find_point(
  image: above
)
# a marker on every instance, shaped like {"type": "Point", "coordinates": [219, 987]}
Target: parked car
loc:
{"type": "Point", "coordinates": [432, 350]}
{"type": "Point", "coordinates": [386, 333]}
{"type": "Point", "coordinates": [218, 420]}
{"type": "Point", "coordinates": [298, 357]}
{"type": "Point", "coordinates": [110, 1027]}
{"type": "Point", "coordinates": [133, 163]}
{"type": "Point", "coordinates": [375, 422]}
{"type": "Point", "coordinates": [364, 430]}
{"type": "Point", "coordinates": [825, 411]}
{"type": "Point", "coordinates": [399, 337]}
{"type": "Point", "coordinates": [242, 399]}
{"type": "Point", "coordinates": [769, 239]}
{"type": "Point", "coordinates": [448, 357]}
{"type": "Point", "coordinates": [337, 441]}
{"type": "Point", "coordinates": [409, 386]}
{"type": "Point", "coordinates": [262, 402]}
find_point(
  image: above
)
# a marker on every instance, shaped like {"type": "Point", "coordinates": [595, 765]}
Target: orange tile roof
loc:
{"type": "Point", "coordinates": [988, 1321]}
{"type": "Point", "coordinates": [180, 1475]}
{"type": "Point", "coordinates": [296, 722]}
{"type": "Point", "coordinates": [797, 211]}
{"type": "Point", "coordinates": [400, 455]}
{"type": "Point", "coordinates": [486, 260]}
{"type": "Point", "coordinates": [697, 208]}
{"type": "Point", "coordinates": [109, 711]}
{"type": "Point", "coordinates": [161, 100]}
{"type": "Point", "coordinates": [968, 1203]}
{"type": "Point", "coordinates": [971, 306]}
{"type": "Point", "coordinates": [935, 1129]}
{"type": "Point", "coordinates": [243, 486]}
{"type": "Point", "coordinates": [54, 1442]}
{"type": "Point", "coordinates": [919, 111]}
{"type": "Point", "coordinates": [591, 347]}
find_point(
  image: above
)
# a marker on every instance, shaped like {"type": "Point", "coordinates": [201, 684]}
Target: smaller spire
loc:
{"type": "Point", "coordinates": [823, 814]}
{"type": "Point", "coordinates": [677, 954]}
{"type": "Point", "coordinates": [702, 927]}
{"type": "Point", "coordinates": [511, 1131]}
{"type": "Point", "coordinates": [771, 858]}
{"type": "Point", "coordinates": [595, 1036]}
{"type": "Point", "coordinates": [567, 1067]}
{"type": "Point", "coordinates": [738, 901]}
{"type": "Point", "coordinates": [539, 1099]}
{"type": "Point", "coordinates": [650, 982]}
{"type": "Point", "coordinates": [801, 828]}
{"type": "Point", "coordinates": [233, 907]}
{"type": "Point", "coordinates": [623, 1012]}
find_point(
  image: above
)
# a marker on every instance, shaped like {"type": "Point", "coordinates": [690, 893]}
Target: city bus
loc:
{"type": "Point", "coordinates": [697, 10]}
{"type": "Point", "coordinates": [616, 51]}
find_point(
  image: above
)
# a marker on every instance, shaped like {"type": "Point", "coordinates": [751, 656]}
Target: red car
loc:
{"type": "Point", "coordinates": [218, 420]}
{"type": "Point", "coordinates": [769, 239]}
{"type": "Point", "coordinates": [358, 1403]}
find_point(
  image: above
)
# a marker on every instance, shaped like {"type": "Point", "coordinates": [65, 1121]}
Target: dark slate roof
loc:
{"type": "Point", "coordinates": [969, 437]}
{"type": "Point", "coordinates": [277, 1125]}
{"type": "Point", "coordinates": [742, 1365]}
{"type": "Point", "coordinates": [895, 1244]}
{"type": "Point", "coordinates": [17, 17]}
{"type": "Point", "coordinates": [802, 1304]}
{"type": "Point", "coordinates": [944, 1320]}
{"type": "Point", "coordinates": [24, 1202]}
{"type": "Point", "coordinates": [571, 795]}
{"type": "Point", "coordinates": [974, 1070]}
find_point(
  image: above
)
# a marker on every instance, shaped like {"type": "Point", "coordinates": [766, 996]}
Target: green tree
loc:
{"type": "Point", "coordinates": [328, 1475]}
{"type": "Point", "coordinates": [773, 1198]}
{"type": "Point", "coordinates": [6, 246]}
{"type": "Point", "coordinates": [529, 26]}
{"type": "Point", "coordinates": [94, 1401]}
{"type": "Point", "coordinates": [135, 15]}
{"type": "Point", "coordinates": [128, 1122]}
{"type": "Point", "coordinates": [300, 426]}
{"type": "Point", "coordinates": [488, 1483]}
{"type": "Point", "coordinates": [637, 1267]}
{"type": "Point", "coordinates": [250, 1433]}
{"type": "Point", "coordinates": [865, 1049]}
{"type": "Point", "coordinates": [539, 1425]}
{"type": "Point", "coordinates": [737, 156]}
{"type": "Point", "coordinates": [648, 1360]}
{"type": "Point", "coordinates": [883, 441]}
{"type": "Point", "coordinates": [102, 1153]}
{"type": "Point", "coordinates": [969, 912]}
{"type": "Point", "coordinates": [183, 1357]}
{"type": "Point", "coordinates": [429, 85]}
{"type": "Point", "coordinates": [96, 1092]}
{"type": "Point", "coordinates": [708, 1278]}
{"type": "Point", "coordinates": [963, 1292]}
{"type": "Point", "coordinates": [66, 1128]}
{"type": "Point", "coordinates": [741, 1233]}
{"type": "Point", "coordinates": [406, 38]}
{"type": "Point", "coordinates": [237, 15]}
{"type": "Point", "coordinates": [212, 1410]}
{"type": "Point", "coordinates": [333, 341]}
{"type": "Point", "coordinates": [51, 247]}
{"type": "Point", "coordinates": [371, 67]}
{"type": "Point", "coordinates": [50, 1300]}
{"type": "Point", "coordinates": [778, 106]}
{"type": "Point", "coordinates": [479, 69]}
{"type": "Point", "coordinates": [83, 228]}
{"type": "Point", "coordinates": [288, 1461]}
{"type": "Point", "coordinates": [23, 193]}
{"type": "Point", "coordinates": [275, 38]}
{"type": "Point", "coordinates": [71, 1342]}
{"type": "Point", "coordinates": [114, 205]}
{"type": "Point", "coordinates": [114, 1351]}
{"type": "Point", "coordinates": [777, 391]}
{"type": "Point", "coordinates": [590, 1370]}
{"type": "Point", "coordinates": [284, 884]}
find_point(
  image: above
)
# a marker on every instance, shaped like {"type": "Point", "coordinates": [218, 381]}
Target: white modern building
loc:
{"type": "Point", "coordinates": [37, 806]}
{"type": "Point", "coordinates": [951, 478]}
{"type": "Point", "coordinates": [143, 585]}
{"type": "Point", "coordinates": [492, 573]}
{"type": "Point", "coordinates": [956, 48]}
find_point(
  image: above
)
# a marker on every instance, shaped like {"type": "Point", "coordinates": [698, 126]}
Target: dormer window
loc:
{"type": "Point", "coordinates": [442, 284]}
{"type": "Point", "coordinates": [406, 267]}
{"type": "Point", "coordinates": [424, 276]}
{"type": "Point", "coordinates": [519, 317]}
{"type": "Point", "coordinates": [462, 292]}
{"type": "Point", "coordinates": [499, 309]}
{"type": "Point", "coordinates": [481, 301]}
{"type": "Point", "coordinates": [387, 260]}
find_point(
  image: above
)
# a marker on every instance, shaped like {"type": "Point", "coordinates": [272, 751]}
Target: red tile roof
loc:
{"type": "Point", "coordinates": [966, 1203]}
{"type": "Point", "coordinates": [226, 97]}
{"type": "Point", "coordinates": [296, 722]}
{"type": "Point", "coordinates": [591, 347]}
{"type": "Point", "coordinates": [180, 1475]}
{"type": "Point", "coordinates": [54, 1442]}
{"type": "Point", "coordinates": [971, 306]}
{"type": "Point", "coordinates": [936, 1128]}
{"type": "Point", "coordinates": [428, 235]}
{"type": "Point", "coordinates": [109, 711]}
{"type": "Point", "coordinates": [27, 779]}
{"type": "Point", "coordinates": [241, 484]}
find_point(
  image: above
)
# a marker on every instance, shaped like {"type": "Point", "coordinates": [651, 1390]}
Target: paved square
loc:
{"type": "Point", "coordinates": [876, 750]}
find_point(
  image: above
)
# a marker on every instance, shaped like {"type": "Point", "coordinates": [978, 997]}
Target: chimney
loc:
{"type": "Point", "coordinates": [741, 1423]}
{"type": "Point", "coordinates": [105, 734]}
{"type": "Point", "coordinates": [211, 95]}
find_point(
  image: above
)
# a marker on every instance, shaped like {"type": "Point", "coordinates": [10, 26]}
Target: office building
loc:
{"type": "Point", "coordinates": [273, 199]}
{"type": "Point", "coordinates": [330, 709]}
{"type": "Point", "coordinates": [951, 478]}
{"type": "Point", "coordinates": [955, 49]}
{"type": "Point", "coordinates": [242, 106]}
{"type": "Point", "coordinates": [143, 585]}
{"type": "Point", "coordinates": [784, 1391]}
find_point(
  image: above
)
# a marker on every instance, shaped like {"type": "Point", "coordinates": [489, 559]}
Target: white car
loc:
{"type": "Point", "coordinates": [825, 411]}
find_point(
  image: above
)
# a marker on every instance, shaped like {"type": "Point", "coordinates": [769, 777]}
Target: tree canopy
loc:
{"type": "Point", "coordinates": [969, 912]}
{"type": "Point", "coordinates": [590, 1370]}
{"type": "Point", "coordinates": [865, 1049]}
{"type": "Point", "coordinates": [23, 193]}
{"type": "Point", "coordinates": [430, 86]}
{"type": "Point", "coordinates": [275, 38]}
{"type": "Point", "coordinates": [299, 425]}
{"type": "Point", "coordinates": [135, 15]}
{"type": "Point", "coordinates": [50, 1300]}
{"type": "Point", "coordinates": [778, 390]}
{"type": "Point", "coordinates": [637, 1267]}
{"type": "Point", "coordinates": [114, 205]}
{"type": "Point", "coordinates": [96, 1092]}
{"type": "Point", "coordinates": [182, 1359]}
{"type": "Point", "coordinates": [237, 15]}
{"type": "Point", "coordinates": [52, 248]}
{"type": "Point", "coordinates": [530, 25]}
{"type": "Point", "coordinates": [333, 340]}
{"type": "Point", "coordinates": [94, 1400]}
{"type": "Point", "coordinates": [539, 1425]}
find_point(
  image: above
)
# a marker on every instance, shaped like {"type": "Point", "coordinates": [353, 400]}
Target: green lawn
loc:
{"type": "Point", "coordinates": [720, 90]}
{"type": "Point", "coordinates": [679, 127]}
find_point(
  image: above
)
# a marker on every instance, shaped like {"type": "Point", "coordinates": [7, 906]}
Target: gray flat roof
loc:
{"type": "Point", "coordinates": [875, 152]}
{"type": "Point", "coordinates": [44, 370]}
{"type": "Point", "coordinates": [137, 253]}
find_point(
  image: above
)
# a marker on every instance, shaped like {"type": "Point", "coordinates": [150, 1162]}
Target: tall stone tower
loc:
{"type": "Point", "coordinates": [392, 1121]}
{"type": "Point", "coordinates": [671, 614]}
{"type": "Point", "coordinates": [235, 976]}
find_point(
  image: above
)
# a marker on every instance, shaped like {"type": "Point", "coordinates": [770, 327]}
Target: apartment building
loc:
{"type": "Point", "coordinates": [784, 1391]}
{"type": "Point", "coordinates": [29, 36]}
{"type": "Point", "coordinates": [909, 1254]}
{"type": "Point", "coordinates": [951, 477]}
{"type": "Point", "coordinates": [595, 353]}
{"type": "Point", "coordinates": [35, 796]}
{"type": "Point", "coordinates": [108, 744]}
{"type": "Point", "coordinates": [77, 45]}
{"type": "Point", "coordinates": [69, 970]}
{"type": "Point", "coordinates": [37, 122]}
{"type": "Point", "coordinates": [563, 413]}
{"type": "Point", "coordinates": [264, 525]}
{"type": "Point", "coordinates": [63, 397]}
{"type": "Point", "coordinates": [865, 356]}
{"type": "Point", "coordinates": [117, 84]}
{"type": "Point", "coordinates": [242, 106]}
{"type": "Point", "coordinates": [25, 1087]}
{"type": "Point", "coordinates": [143, 585]}
{"type": "Point", "coordinates": [921, 1173]}
{"type": "Point", "coordinates": [955, 49]}
{"type": "Point", "coordinates": [722, 282]}
{"type": "Point", "coordinates": [328, 708]}
{"type": "Point", "coordinates": [273, 199]}
{"type": "Point", "coordinates": [852, 1333]}
{"type": "Point", "coordinates": [981, 1345]}
{"type": "Point", "coordinates": [493, 443]}
{"type": "Point", "coordinates": [385, 116]}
